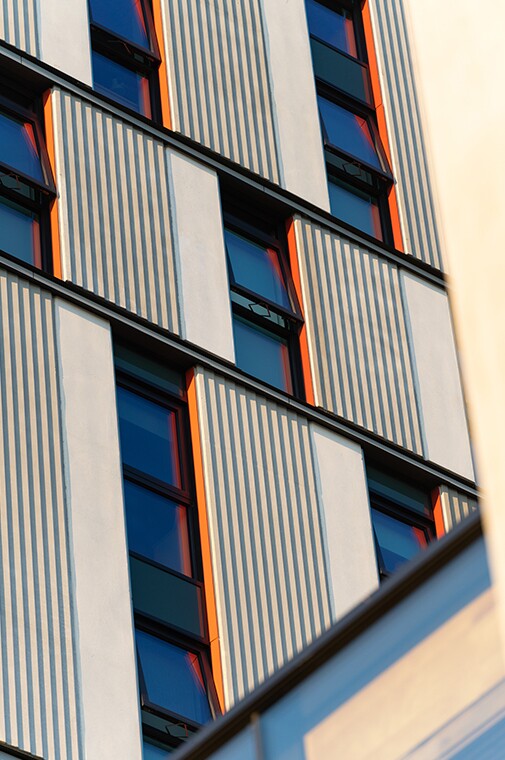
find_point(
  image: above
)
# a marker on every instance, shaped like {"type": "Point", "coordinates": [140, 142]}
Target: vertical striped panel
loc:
{"type": "Point", "coordinates": [218, 67]}
{"type": "Point", "coordinates": [114, 215]}
{"type": "Point", "coordinates": [455, 506]}
{"type": "Point", "coordinates": [357, 336]}
{"type": "Point", "coordinates": [18, 24]}
{"type": "Point", "coordinates": [403, 115]}
{"type": "Point", "coordinates": [269, 569]}
{"type": "Point", "coordinates": [37, 669]}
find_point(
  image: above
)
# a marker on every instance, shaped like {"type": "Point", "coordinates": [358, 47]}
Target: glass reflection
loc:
{"type": "Point", "coordinates": [262, 354]}
{"type": "Point", "coordinates": [123, 17]}
{"type": "Point", "coordinates": [349, 132]}
{"type": "Point", "coordinates": [335, 27]}
{"type": "Point", "coordinates": [121, 84]}
{"type": "Point", "coordinates": [20, 232]}
{"type": "Point", "coordinates": [355, 207]}
{"type": "Point", "coordinates": [397, 541]}
{"type": "Point", "coordinates": [18, 147]}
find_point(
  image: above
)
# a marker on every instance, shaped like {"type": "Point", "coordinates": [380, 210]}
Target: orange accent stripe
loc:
{"type": "Point", "coordinates": [304, 343]}
{"type": "Point", "coordinates": [438, 515]}
{"type": "Point", "coordinates": [163, 70]}
{"type": "Point", "coordinates": [208, 579]}
{"type": "Point", "coordinates": [381, 122]}
{"type": "Point", "coordinates": [53, 212]}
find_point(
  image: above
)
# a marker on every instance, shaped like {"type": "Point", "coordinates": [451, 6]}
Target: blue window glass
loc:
{"type": "Point", "coordinates": [397, 541]}
{"type": "Point", "coordinates": [349, 132]}
{"type": "Point", "coordinates": [19, 232]}
{"type": "Point", "coordinates": [257, 268]}
{"type": "Point", "coordinates": [173, 678]}
{"type": "Point", "coordinates": [354, 207]}
{"type": "Point", "coordinates": [123, 17]}
{"type": "Point", "coordinates": [18, 147]}
{"type": "Point", "coordinates": [157, 528]}
{"type": "Point", "coordinates": [121, 84]}
{"type": "Point", "coordinates": [155, 751]}
{"type": "Point", "coordinates": [148, 435]}
{"type": "Point", "coordinates": [262, 354]}
{"type": "Point", "coordinates": [335, 27]}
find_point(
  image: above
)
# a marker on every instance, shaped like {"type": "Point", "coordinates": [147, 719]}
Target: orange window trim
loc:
{"type": "Point", "coordinates": [381, 122]}
{"type": "Point", "coordinates": [438, 515]}
{"type": "Point", "coordinates": [53, 212]}
{"type": "Point", "coordinates": [304, 343]}
{"type": "Point", "coordinates": [163, 70]}
{"type": "Point", "coordinates": [208, 579]}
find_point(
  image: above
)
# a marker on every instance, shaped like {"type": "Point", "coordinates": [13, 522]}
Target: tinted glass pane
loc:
{"type": "Point", "coordinates": [398, 541]}
{"type": "Point", "coordinates": [257, 268]}
{"type": "Point", "coordinates": [349, 132]}
{"type": "Point", "coordinates": [173, 678]}
{"type": "Point", "coordinates": [399, 491]}
{"type": "Point", "coordinates": [262, 354]}
{"type": "Point", "coordinates": [121, 84]}
{"type": "Point", "coordinates": [336, 68]}
{"type": "Point", "coordinates": [148, 437]}
{"type": "Point", "coordinates": [356, 208]}
{"type": "Point", "coordinates": [157, 528]}
{"type": "Point", "coordinates": [149, 370]}
{"type": "Point", "coordinates": [18, 147]}
{"type": "Point", "coordinates": [123, 17]}
{"type": "Point", "coordinates": [332, 26]}
{"type": "Point", "coordinates": [19, 232]}
{"type": "Point", "coordinates": [154, 751]}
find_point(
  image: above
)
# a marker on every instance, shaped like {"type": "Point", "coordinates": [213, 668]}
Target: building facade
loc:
{"type": "Point", "coordinates": [229, 388]}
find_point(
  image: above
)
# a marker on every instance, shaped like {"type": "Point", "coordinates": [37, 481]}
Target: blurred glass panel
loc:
{"type": "Point", "coordinates": [338, 70]}
{"type": "Point", "coordinates": [121, 84]}
{"type": "Point", "coordinates": [157, 528]}
{"type": "Point", "coordinates": [20, 232]}
{"type": "Point", "coordinates": [333, 26]}
{"type": "Point", "coordinates": [173, 678]}
{"type": "Point", "coordinates": [153, 750]}
{"type": "Point", "coordinates": [148, 434]}
{"type": "Point", "coordinates": [397, 540]}
{"type": "Point", "coordinates": [241, 747]}
{"type": "Point", "coordinates": [349, 132]}
{"type": "Point", "coordinates": [355, 207]}
{"type": "Point", "coordinates": [262, 354]}
{"type": "Point", "coordinates": [123, 17]}
{"type": "Point", "coordinates": [257, 268]}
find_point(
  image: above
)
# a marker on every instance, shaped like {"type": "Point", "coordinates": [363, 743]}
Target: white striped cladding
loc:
{"type": "Point", "coordinates": [455, 506]}
{"type": "Point", "coordinates": [356, 328]}
{"type": "Point", "coordinates": [220, 93]}
{"type": "Point", "coordinates": [18, 24]}
{"type": "Point", "coordinates": [37, 668]}
{"type": "Point", "coordinates": [114, 215]}
{"type": "Point", "coordinates": [272, 591]}
{"type": "Point", "coordinates": [403, 116]}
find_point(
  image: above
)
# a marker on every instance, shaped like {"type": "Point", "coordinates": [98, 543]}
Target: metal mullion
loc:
{"type": "Point", "coordinates": [262, 301]}
{"type": "Point", "coordinates": [159, 487]}
{"type": "Point", "coordinates": [99, 32]}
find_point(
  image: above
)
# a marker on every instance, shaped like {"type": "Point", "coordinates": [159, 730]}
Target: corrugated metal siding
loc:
{"type": "Point", "coordinates": [357, 335]}
{"type": "Point", "coordinates": [403, 115]}
{"type": "Point", "coordinates": [18, 24]}
{"type": "Point", "coordinates": [220, 93]}
{"type": "Point", "coordinates": [455, 506]}
{"type": "Point", "coordinates": [265, 531]}
{"type": "Point", "coordinates": [114, 210]}
{"type": "Point", "coordinates": [37, 670]}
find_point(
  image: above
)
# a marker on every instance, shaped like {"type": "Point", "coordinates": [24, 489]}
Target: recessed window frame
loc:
{"type": "Point", "coordinates": [44, 193]}
{"type": "Point", "coordinates": [141, 60]}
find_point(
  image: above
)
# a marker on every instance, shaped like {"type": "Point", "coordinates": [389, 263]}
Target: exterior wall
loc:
{"type": "Point", "coordinates": [455, 507]}
{"type": "Point", "coordinates": [101, 592]}
{"type": "Point", "coordinates": [19, 24]}
{"type": "Point", "coordinates": [115, 236]}
{"type": "Point", "coordinates": [219, 80]}
{"type": "Point", "coordinates": [64, 37]}
{"type": "Point", "coordinates": [294, 96]}
{"type": "Point", "coordinates": [38, 711]}
{"type": "Point", "coordinates": [270, 579]}
{"type": "Point", "coordinates": [437, 376]}
{"type": "Point", "coordinates": [342, 485]}
{"type": "Point", "coordinates": [403, 118]}
{"type": "Point", "coordinates": [361, 367]}
{"type": "Point", "coordinates": [199, 246]}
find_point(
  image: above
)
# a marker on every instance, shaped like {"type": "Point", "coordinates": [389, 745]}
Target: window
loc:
{"type": "Point", "coordinates": [359, 177]}
{"type": "Point", "coordinates": [125, 54]}
{"type": "Point", "coordinates": [177, 691]}
{"type": "Point", "coordinates": [402, 520]}
{"type": "Point", "coordinates": [266, 314]}
{"type": "Point", "coordinates": [26, 186]}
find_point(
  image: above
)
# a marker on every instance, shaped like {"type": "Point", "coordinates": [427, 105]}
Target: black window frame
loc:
{"type": "Point", "coordinates": [44, 194]}
{"type": "Point", "coordinates": [267, 233]}
{"type": "Point", "coordinates": [136, 58]}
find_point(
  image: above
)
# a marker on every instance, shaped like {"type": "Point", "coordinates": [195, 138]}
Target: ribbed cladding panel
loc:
{"type": "Point", "coordinates": [455, 506]}
{"type": "Point", "coordinates": [265, 531]}
{"type": "Point", "coordinates": [114, 212]}
{"type": "Point", "coordinates": [403, 115]}
{"type": "Point", "coordinates": [37, 669]}
{"type": "Point", "coordinates": [357, 336]}
{"type": "Point", "coordinates": [18, 24]}
{"type": "Point", "coordinates": [220, 91]}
